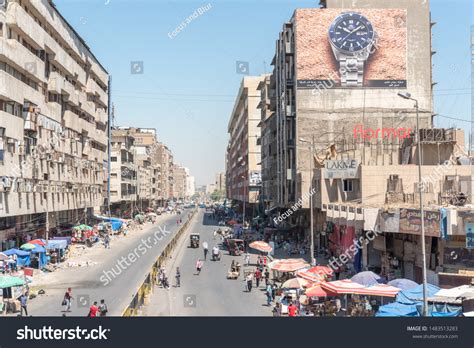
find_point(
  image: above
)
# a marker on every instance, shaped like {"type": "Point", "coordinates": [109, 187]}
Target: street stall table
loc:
{"type": "Point", "coordinates": [10, 287]}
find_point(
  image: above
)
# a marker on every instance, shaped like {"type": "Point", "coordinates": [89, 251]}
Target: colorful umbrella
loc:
{"type": "Point", "coordinates": [316, 291]}
{"type": "Point", "coordinates": [312, 277]}
{"type": "Point", "coordinates": [28, 246]}
{"type": "Point", "coordinates": [366, 278]}
{"type": "Point", "coordinates": [402, 283]}
{"type": "Point", "coordinates": [295, 283]}
{"type": "Point", "coordinates": [380, 290]}
{"type": "Point", "coordinates": [38, 242]}
{"type": "Point", "coordinates": [321, 270]}
{"type": "Point", "coordinates": [261, 246]}
{"type": "Point", "coordinates": [340, 287]}
{"type": "Point", "coordinates": [8, 282]}
{"type": "Point", "coordinates": [288, 265]}
{"type": "Point", "coordinates": [83, 227]}
{"type": "Point", "coordinates": [231, 222]}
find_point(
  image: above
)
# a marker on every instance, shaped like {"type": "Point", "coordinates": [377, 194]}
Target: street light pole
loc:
{"type": "Point", "coordinates": [311, 151]}
{"type": "Point", "coordinates": [422, 212]}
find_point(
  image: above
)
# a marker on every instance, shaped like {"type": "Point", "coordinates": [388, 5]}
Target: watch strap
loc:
{"type": "Point", "coordinates": [352, 71]}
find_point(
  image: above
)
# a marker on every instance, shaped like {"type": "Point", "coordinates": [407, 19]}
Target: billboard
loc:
{"type": "Point", "coordinates": [341, 169]}
{"type": "Point", "coordinates": [355, 48]}
{"type": "Point", "coordinates": [410, 222]}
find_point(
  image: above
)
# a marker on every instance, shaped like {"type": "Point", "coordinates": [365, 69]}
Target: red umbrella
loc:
{"type": "Point", "coordinates": [345, 286]}
{"type": "Point", "coordinates": [312, 277]}
{"type": "Point", "coordinates": [261, 246]}
{"type": "Point", "coordinates": [232, 222]}
{"type": "Point", "coordinates": [316, 291]}
{"type": "Point", "coordinates": [321, 270]}
{"type": "Point", "coordinates": [288, 265]}
{"type": "Point", "coordinates": [383, 290]}
{"type": "Point", "coordinates": [37, 242]}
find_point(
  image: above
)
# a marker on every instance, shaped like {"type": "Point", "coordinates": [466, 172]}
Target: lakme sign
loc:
{"type": "Point", "coordinates": [341, 169]}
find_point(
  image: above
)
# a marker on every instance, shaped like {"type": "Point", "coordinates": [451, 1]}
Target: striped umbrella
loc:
{"type": "Point", "coordinates": [288, 265]}
{"type": "Point", "coordinates": [383, 290]}
{"type": "Point", "coordinates": [312, 277]}
{"type": "Point", "coordinates": [316, 291]}
{"type": "Point", "coordinates": [345, 286]}
{"type": "Point", "coordinates": [322, 270]}
{"type": "Point", "coordinates": [295, 283]}
{"type": "Point", "coordinates": [261, 246]}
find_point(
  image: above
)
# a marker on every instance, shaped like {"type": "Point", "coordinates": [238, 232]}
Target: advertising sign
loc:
{"type": "Point", "coordinates": [255, 178]}
{"type": "Point", "coordinates": [470, 235]}
{"type": "Point", "coordinates": [353, 48]}
{"type": "Point", "coordinates": [341, 169]}
{"type": "Point", "coordinates": [410, 222]}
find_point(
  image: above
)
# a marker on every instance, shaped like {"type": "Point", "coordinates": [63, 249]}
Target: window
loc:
{"type": "Point", "coordinates": [113, 159]}
{"type": "Point", "coordinates": [347, 185]}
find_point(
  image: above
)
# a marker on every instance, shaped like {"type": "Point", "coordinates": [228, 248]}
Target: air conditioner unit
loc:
{"type": "Point", "coordinates": [35, 188]}
{"type": "Point", "coordinates": [28, 187]}
{"type": "Point", "coordinates": [49, 156]}
{"type": "Point", "coordinates": [52, 189]}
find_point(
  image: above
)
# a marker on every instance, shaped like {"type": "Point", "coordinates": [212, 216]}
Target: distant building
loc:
{"type": "Point", "coordinates": [220, 182]}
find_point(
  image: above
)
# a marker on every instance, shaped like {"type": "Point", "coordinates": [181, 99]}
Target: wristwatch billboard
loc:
{"type": "Point", "coordinates": [352, 38]}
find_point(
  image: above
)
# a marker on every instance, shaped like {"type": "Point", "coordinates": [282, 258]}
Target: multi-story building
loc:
{"type": "Point", "coordinates": [53, 122]}
{"type": "Point", "coordinates": [180, 176]}
{"type": "Point", "coordinates": [243, 174]}
{"type": "Point", "coordinates": [123, 173]}
{"type": "Point", "coordinates": [165, 160]}
{"type": "Point", "coordinates": [190, 186]}
{"type": "Point", "coordinates": [220, 182]}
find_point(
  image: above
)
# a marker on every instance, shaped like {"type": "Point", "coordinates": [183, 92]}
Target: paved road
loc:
{"type": "Point", "coordinates": [90, 284]}
{"type": "Point", "coordinates": [210, 293]}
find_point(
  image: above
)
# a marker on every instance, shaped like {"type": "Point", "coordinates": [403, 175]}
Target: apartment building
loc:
{"type": "Point", "coordinates": [53, 122]}
{"type": "Point", "coordinates": [180, 182]}
{"type": "Point", "coordinates": [220, 182]}
{"type": "Point", "coordinates": [123, 173]}
{"type": "Point", "coordinates": [243, 176]}
{"type": "Point", "coordinates": [165, 159]}
{"type": "Point", "coordinates": [190, 186]}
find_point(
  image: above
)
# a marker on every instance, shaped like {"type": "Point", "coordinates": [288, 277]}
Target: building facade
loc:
{"type": "Point", "coordinates": [53, 122]}
{"type": "Point", "coordinates": [220, 182]}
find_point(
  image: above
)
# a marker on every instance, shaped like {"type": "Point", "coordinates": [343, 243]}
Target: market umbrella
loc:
{"type": "Point", "coordinates": [295, 283]}
{"type": "Point", "coordinates": [231, 222]}
{"type": "Point", "coordinates": [9, 281]}
{"type": "Point", "coordinates": [366, 278]}
{"type": "Point", "coordinates": [316, 291]}
{"type": "Point", "coordinates": [383, 290]}
{"type": "Point", "coordinates": [312, 277]}
{"type": "Point", "coordinates": [28, 246]}
{"type": "Point", "coordinates": [341, 287]}
{"type": "Point", "coordinates": [321, 270]}
{"type": "Point", "coordinates": [41, 242]}
{"type": "Point", "coordinates": [288, 265]}
{"type": "Point", "coordinates": [83, 227]}
{"type": "Point", "coordinates": [261, 246]}
{"type": "Point", "coordinates": [402, 283]}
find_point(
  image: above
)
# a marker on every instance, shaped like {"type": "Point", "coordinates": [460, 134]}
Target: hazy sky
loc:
{"type": "Point", "coordinates": [189, 81]}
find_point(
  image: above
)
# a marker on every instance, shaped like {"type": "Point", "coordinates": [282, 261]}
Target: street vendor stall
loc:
{"type": "Point", "coordinates": [57, 249]}
{"type": "Point", "coordinates": [11, 290]}
{"type": "Point", "coordinates": [22, 257]}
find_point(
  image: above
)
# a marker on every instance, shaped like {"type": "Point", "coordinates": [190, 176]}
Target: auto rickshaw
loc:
{"type": "Point", "coordinates": [194, 238]}
{"type": "Point", "coordinates": [236, 247]}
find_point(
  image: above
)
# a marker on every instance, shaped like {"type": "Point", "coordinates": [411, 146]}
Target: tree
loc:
{"type": "Point", "coordinates": [217, 195]}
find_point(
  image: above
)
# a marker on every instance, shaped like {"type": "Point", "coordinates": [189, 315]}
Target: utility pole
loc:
{"type": "Point", "coordinates": [111, 116]}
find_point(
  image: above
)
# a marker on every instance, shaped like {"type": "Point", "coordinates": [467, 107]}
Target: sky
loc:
{"type": "Point", "coordinates": [188, 84]}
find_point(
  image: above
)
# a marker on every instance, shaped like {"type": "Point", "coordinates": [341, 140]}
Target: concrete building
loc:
{"type": "Point", "coordinates": [180, 182]}
{"type": "Point", "coordinates": [123, 173]}
{"type": "Point", "coordinates": [165, 158]}
{"type": "Point", "coordinates": [190, 186]}
{"type": "Point", "coordinates": [53, 123]}
{"type": "Point", "coordinates": [243, 176]}
{"type": "Point", "coordinates": [220, 182]}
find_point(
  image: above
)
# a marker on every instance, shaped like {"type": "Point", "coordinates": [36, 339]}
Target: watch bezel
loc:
{"type": "Point", "coordinates": [370, 28]}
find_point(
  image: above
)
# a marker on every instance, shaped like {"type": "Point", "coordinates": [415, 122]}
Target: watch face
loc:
{"type": "Point", "coordinates": [351, 32]}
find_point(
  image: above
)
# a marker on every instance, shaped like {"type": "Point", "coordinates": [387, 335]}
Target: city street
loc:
{"type": "Point", "coordinates": [86, 282]}
{"type": "Point", "coordinates": [210, 293]}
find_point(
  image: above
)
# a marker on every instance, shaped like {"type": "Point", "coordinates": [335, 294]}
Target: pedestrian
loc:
{"type": "Point", "coordinates": [103, 308]}
{"type": "Point", "coordinates": [178, 277]}
{"type": "Point", "coordinates": [206, 249]}
{"type": "Point", "coordinates": [180, 220]}
{"type": "Point", "coordinates": [267, 277]}
{"type": "Point", "coordinates": [276, 310]}
{"type": "Point", "coordinates": [247, 259]}
{"type": "Point", "coordinates": [166, 284]}
{"type": "Point", "coordinates": [292, 310]}
{"type": "Point", "coordinates": [269, 294]}
{"type": "Point", "coordinates": [198, 266]}
{"type": "Point", "coordinates": [93, 310]}
{"type": "Point", "coordinates": [107, 241]}
{"type": "Point", "coordinates": [23, 302]}
{"type": "Point", "coordinates": [274, 289]}
{"type": "Point", "coordinates": [67, 300]}
{"type": "Point", "coordinates": [249, 281]}
{"type": "Point", "coordinates": [258, 276]}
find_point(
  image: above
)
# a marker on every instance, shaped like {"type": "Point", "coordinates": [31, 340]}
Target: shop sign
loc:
{"type": "Point", "coordinates": [410, 222]}
{"type": "Point", "coordinates": [470, 235]}
{"type": "Point", "coordinates": [341, 169]}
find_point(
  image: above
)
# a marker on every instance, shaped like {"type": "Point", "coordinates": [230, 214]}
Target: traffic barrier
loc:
{"type": "Point", "coordinates": [146, 288]}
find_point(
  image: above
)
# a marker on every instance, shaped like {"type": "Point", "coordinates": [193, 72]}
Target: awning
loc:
{"type": "Point", "coordinates": [316, 291]}
{"type": "Point", "coordinates": [261, 246]}
{"type": "Point", "coordinates": [382, 290]}
{"type": "Point", "coordinates": [56, 244]}
{"type": "Point", "coordinates": [341, 287]}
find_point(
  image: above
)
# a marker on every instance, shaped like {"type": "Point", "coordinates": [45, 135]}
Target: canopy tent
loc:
{"type": "Point", "coordinates": [83, 227]}
{"type": "Point", "coordinates": [28, 246]}
{"type": "Point", "coordinates": [345, 286]}
{"type": "Point", "coordinates": [42, 260]}
{"type": "Point", "coordinates": [295, 283]}
{"type": "Point", "coordinates": [316, 291]}
{"type": "Point", "coordinates": [397, 309]}
{"type": "Point", "coordinates": [9, 281]}
{"type": "Point", "coordinates": [454, 293]}
{"type": "Point", "coordinates": [382, 290]}
{"type": "Point", "coordinates": [288, 265]}
{"type": "Point", "coordinates": [41, 242]}
{"type": "Point", "coordinates": [402, 283]}
{"type": "Point", "coordinates": [261, 246]}
{"type": "Point", "coordinates": [115, 223]}
{"type": "Point", "coordinates": [366, 278]}
{"type": "Point", "coordinates": [23, 257]}
{"type": "Point", "coordinates": [56, 244]}
{"type": "Point", "coordinates": [312, 277]}
{"type": "Point", "coordinates": [415, 295]}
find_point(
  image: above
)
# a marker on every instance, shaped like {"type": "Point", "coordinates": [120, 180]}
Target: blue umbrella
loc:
{"type": "Point", "coordinates": [403, 283]}
{"type": "Point", "coordinates": [366, 278]}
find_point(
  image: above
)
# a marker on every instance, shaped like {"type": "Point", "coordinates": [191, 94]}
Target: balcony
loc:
{"type": "Point", "coordinates": [72, 121]}
{"type": "Point", "coordinates": [22, 58]}
{"type": "Point", "coordinates": [18, 91]}
{"type": "Point", "coordinates": [13, 125]}
{"type": "Point", "coordinates": [94, 89]}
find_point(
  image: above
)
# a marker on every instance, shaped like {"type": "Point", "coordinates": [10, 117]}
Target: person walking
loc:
{"type": "Point", "coordinates": [178, 277]}
{"type": "Point", "coordinates": [274, 289]}
{"type": "Point", "coordinates": [205, 247]}
{"type": "Point", "coordinates": [67, 300]}
{"type": "Point", "coordinates": [267, 277]}
{"type": "Point", "coordinates": [23, 302]}
{"type": "Point", "coordinates": [93, 310]}
{"type": "Point", "coordinates": [258, 276]}
{"type": "Point", "coordinates": [276, 310]}
{"type": "Point", "coordinates": [247, 259]}
{"type": "Point", "coordinates": [269, 293]}
{"type": "Point", "coordinates": [249, 280]}
{"type": "Point", "coordinates": [198, 266]}
{"type": "Point", "coordinates": [292, 310]}
{"type": "Point", "coordinates": [103, 309]}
